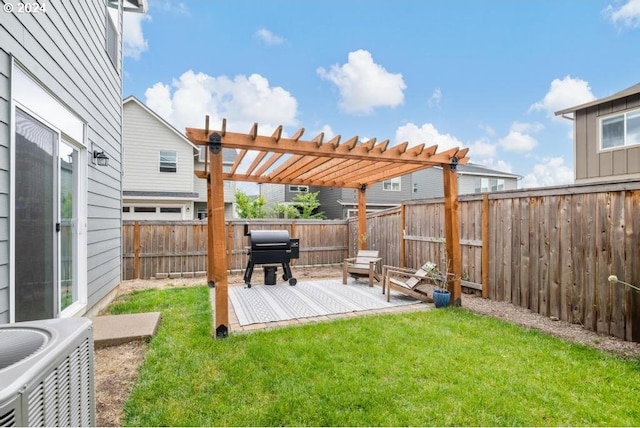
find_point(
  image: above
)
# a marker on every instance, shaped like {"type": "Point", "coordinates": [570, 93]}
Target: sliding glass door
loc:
{"type": "Point", "coordinates": [46, 220]}
{"type": "Point", "coordinates": [35, 219]}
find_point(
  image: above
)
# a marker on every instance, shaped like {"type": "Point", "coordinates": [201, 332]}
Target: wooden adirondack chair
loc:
{"type": "Point", "coordinates": [365, 264]}
{"type": "Point", "coordinates": [406, 281]}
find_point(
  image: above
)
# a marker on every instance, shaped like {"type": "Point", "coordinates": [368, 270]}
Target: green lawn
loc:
{"type": "Point", "coordinates": [439, 367]}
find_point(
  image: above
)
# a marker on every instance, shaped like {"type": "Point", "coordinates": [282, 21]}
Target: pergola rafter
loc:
{"type": "Point", "coordinates": [292, 160]}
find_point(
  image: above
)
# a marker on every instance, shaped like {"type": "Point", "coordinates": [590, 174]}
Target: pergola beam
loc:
{"type": "Point", "coordinates": [346, 150]}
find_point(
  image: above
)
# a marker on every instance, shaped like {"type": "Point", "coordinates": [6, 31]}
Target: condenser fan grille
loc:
{"type": "Point", "coordinates": [19, 343]}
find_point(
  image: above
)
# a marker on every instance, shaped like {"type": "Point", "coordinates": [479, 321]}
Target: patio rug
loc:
{"type": "Point", "coordinates": [268, 303]}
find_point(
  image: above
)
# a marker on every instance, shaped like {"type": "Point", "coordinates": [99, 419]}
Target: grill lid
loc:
{"type": "Point", "coordinates": [269, 239]}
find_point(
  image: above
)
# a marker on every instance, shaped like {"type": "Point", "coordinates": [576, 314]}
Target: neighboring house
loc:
{"type": "Point", "coordinates": [158, 176]}
{"type": "Point", "coordinates": [472, 178]}
{"type": "Point", "coordinates": [337, 203]}
{"type": "Point", "coordinates": [427, 183]}
{"type": "Point", "coordinates": [200, 186]}
{"type": "Point", "coordinates": [60, 123]}
{"type": "Point", "coordinates": [606, 137]}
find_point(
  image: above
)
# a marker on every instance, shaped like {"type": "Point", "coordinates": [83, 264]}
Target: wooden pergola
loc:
{"type": "Point", "coordinates": [315, 162]}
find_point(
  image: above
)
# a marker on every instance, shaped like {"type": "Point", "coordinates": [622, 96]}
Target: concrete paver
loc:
{"type": "Point", "coordinates": [111, 330]}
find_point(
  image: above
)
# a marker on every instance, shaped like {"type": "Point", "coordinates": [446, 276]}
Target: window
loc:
{"type": "Point", "coordinates": [126, 209]}
{"type": "Point", "coordinates": [496, 184]}
{"type": "Point", "coordinates": [173, 210]}
{"type": "Point", "coordinates": [415, 187]}
{"type": "Point", "coordinates": [168, 161]}
{"type": "Point", "coordinates": [620, 130]}
{"type": "Point", "coordinates": [300, 189]}
{"type": "Point", "coordinates": [392, 185]}
{"type": "Point", "coordinates": [111, 42]}
{"type": "Point", "coordinates": [144, 209]}
{"type": "Point", "coordinates": [482, 185]}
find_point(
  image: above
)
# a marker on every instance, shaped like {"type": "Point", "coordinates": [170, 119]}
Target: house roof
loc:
{"type": "Point", "coordinates": [138, 6]}
{"type": "Point", "coordinates": [280, 160]}
{"type": "Point", "coordinates": [632, 90]}
{"type": "Point", "coordinates": [475, 169]}
{"type": "Point", "coordinates": [132, 99]}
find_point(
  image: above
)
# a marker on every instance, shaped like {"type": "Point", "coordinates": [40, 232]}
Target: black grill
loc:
{"type": "Point", "coordinates": [271, 248]}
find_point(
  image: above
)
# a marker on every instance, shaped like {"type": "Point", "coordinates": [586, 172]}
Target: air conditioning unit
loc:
{"type": "Point", "coordinates": [46, 373]}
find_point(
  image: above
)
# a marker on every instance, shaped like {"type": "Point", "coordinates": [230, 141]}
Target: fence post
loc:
{"type": "Point", "coordinates": [485, 246]}
{"type": "Point", "coordinates": [136, 250]}
{"type": "Point", "coordinates": [402, 262]}
{"type": "Point", "coordinates": [293, 235]}
{"type": "Point", "coordinates": [229, 245]}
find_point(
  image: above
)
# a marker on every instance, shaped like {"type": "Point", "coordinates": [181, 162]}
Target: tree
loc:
{"type": "Point", "coordinates": [284, 211]}
{"type": "Point", "coordinates": [250, 207]}
{"type": "Point", "coordinates": [307, 204]}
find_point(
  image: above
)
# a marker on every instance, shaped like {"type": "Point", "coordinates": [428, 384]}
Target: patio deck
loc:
{"type": "Point", "coordinates": [273, 306]}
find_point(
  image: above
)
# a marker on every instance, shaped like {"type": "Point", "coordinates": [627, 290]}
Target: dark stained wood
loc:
{"type": "Point", "coordinates": [603, 262]}
{"type": "Point", "coordinates": [617, 290]}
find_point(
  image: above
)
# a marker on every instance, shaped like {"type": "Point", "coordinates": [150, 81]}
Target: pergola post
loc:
{"type": "Point", "coordinates": [362, 218]}
{"type": "Point", "coordinates": [452, 230]}
{"type": "Point", "coordinates": [217, 248]}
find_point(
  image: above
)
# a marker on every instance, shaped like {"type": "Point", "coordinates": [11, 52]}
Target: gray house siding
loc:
{"type": "Point", "coordinates": [64, 50]}
{"type": "Point", "coordinates": [336, 202]}
{"type": "Point", "coordinates": [592, 164]}
{"type": "Point", "coordinates": [429, 184]}
{"type": "Point", "coordinates": [5, 71]}
{"type": "Point", "coordinates": [273, 193]}
{"type": "Point", "coordinates": [328, 197]}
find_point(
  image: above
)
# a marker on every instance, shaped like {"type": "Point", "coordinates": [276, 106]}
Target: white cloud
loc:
{"type": "Point", "coordinates": [562, 94]}
{"type": "Point", "coordinates": [364, 85]}
{"type": "Point", "coordinates": [525, 127]}
{"type": "Point", "coordinates": [268, 37]}
{"type": "Point", "coordinates": [436, 97]}
{"type": "Point", "coordinates": [133, 41]}
{"type": "Point", "coordinates": [495, 164]}
{"type": "Point", "coordinates": [482, 148]}
{"type": "Point", "coordinates": [427, 134]}
{"type": "Point", "coordinates": [518, 140]}
{"type": "Point", "coordinates": [627, 15]}
{"type": "Point", "coordinates": [488, 129]}
{"type": "Point", "coordinates": [326, 129]}
{"type": "Point", "coordinates": [551, 172]}
{"type": "Point", "coordinates": [174, 7]}
{"type": "Point", "coordinates": [242, 101]}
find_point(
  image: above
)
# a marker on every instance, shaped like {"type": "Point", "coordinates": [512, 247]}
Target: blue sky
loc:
{"type": "Point", "coordinates": [486, 75]}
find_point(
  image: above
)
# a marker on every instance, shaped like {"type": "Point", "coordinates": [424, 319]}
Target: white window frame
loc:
{"type": "Point", "coordinates": [499, 184]}
{"type": "Point", "coordinates": [391, 183]}
{"type": "Point", "coordinates": [625, 143]}
{"type": "Point", "coordinates": [298, 188]}
{"type": "Point", "coordinates": [175, 162]}
{"type": "Point", "coordinates": [484, 185]}
{"type": "Point", "coordinates": [32, 97]}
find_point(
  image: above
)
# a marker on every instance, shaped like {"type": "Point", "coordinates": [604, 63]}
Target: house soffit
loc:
{"type": "Point", "coordinates": [293, 160]}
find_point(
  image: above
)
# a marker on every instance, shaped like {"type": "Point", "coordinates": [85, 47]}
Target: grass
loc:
{"type": "Point", "coordinates": [442, 367]}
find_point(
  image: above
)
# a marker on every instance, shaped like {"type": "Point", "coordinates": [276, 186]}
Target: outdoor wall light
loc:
{"type": "Point", "coordinates": [100, 158]}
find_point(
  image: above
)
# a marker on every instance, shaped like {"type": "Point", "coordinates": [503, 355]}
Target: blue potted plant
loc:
{"type": "Point", "coordinates": [441, 280]}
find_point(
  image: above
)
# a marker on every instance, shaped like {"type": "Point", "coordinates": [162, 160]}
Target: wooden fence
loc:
{"type": "Point", "coordinates": [151, 248]}
{"type": "Point", "coordinates": [550, 250]}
